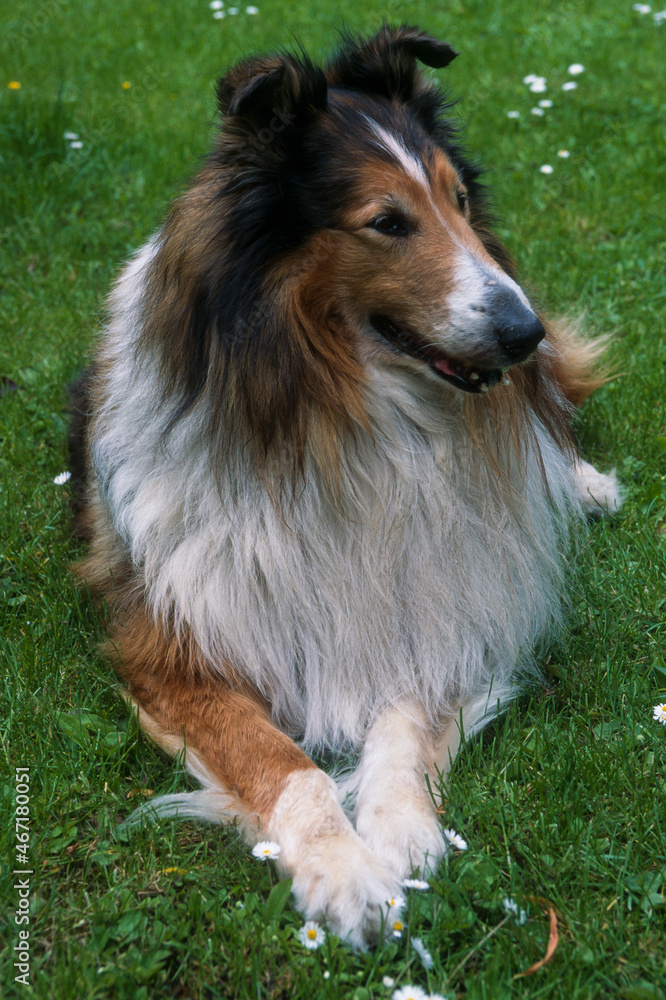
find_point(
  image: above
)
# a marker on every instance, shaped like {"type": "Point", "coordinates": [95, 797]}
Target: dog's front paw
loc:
{"type": "Point", "coordinates": [336, 878]}
{"type": "Point", "coordinates": [599, 492]}
{"type": "Point", "coordinates": [340, 882]}
{"type": "Point", "coordinates": [406, 834]}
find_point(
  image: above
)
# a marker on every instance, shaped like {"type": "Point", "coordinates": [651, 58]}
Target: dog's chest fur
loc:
{"type": "Point", "coordinates": [425, 576]}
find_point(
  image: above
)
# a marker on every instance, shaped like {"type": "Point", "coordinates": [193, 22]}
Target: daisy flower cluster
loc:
{"type": "Point", "coordinates": [73, 139]}
{"type": "Point", "coordinates": [539, 85]}
{"type": "Point", "coordinates": [219, 12]}
{"type": "Point", "coordinates": [644, 8]}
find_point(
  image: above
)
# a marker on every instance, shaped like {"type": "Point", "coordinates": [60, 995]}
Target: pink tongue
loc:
{"type": "Point", "coordinates": [443, 366]}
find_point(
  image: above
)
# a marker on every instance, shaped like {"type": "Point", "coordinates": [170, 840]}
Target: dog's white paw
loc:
{"type": "Point", "coordinates": [600, 492]}
{"type": "Point", "coordinates": [406, 834]}
{"type": "Point", "coordinates": [336, 877]}
{"type": "Point", "coordinates": [341, 883]}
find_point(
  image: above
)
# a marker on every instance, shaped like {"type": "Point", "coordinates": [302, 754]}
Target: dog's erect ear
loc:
{"type": "Point", "coordinates": [258, 90]}
{"type": "Point", "coordinates": [386, 64]}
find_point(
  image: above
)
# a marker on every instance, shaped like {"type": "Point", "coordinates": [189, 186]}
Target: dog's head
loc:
{"type": "Point", "coordinates": [358, 183]}
{"type": "Point", "coordinates": [336, 229]}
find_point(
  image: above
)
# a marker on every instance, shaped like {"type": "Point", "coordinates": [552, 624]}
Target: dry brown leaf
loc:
{"type": "Point", "coordinates": [553, 939]}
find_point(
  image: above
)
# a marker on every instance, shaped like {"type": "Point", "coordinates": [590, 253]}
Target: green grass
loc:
{"type": "Point", "coordinates": [563, 800]}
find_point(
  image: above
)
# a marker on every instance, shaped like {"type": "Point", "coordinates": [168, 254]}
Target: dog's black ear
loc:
{"type": "Point", "coordinates": [386, 64]}
{"type": "Point", "coordinates": [284, 88]}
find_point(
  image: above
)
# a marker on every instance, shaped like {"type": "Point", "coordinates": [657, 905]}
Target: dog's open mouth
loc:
{"type": "Point", "coordinates": [470, 378]}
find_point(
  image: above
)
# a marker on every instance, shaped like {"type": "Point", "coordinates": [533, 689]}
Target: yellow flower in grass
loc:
{"type": "Point", "coordinates": [14, 85]}
{"type": "Point", "coordinates": [126, 85]}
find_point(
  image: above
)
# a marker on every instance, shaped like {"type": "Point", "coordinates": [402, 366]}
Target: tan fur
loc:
{"type": "Point", "coordinates": [228, 728]}
{"type": "Point", "coordinates": [576, 366]}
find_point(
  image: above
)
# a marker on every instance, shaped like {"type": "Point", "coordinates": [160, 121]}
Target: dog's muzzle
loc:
{"type": "Point", "coordinates": [518, 329]}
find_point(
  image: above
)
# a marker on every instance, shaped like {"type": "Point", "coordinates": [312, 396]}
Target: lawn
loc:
{"type": "Point", "coordinates": [562, 802]}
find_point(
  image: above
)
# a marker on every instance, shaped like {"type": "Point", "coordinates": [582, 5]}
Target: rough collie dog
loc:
{"type": "Point", "coordinates": [329, 473]}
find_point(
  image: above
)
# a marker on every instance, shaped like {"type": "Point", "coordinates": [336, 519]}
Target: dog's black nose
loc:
{"type": "Point", "coordinates": [517, 328]}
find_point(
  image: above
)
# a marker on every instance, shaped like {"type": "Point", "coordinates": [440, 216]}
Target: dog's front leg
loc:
{"type": "Point", "coordinates": [394, 812]}
{"type": "Point", "coordinates": [252, 770]}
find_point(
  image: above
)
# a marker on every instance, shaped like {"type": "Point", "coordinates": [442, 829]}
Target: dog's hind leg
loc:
{"type": "Point", "coordinates": [599, 491]}
{"type": "Point", "coordinates": [252, 770]}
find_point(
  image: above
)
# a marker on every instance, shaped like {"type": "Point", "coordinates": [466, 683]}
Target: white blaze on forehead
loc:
{"type": "Point", "coordinates": [408, 160]}
{"type": "Point", "coordinates": [475, 279]}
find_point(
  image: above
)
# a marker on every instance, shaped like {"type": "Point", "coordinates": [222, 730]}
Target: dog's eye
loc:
{"type": "Point", "coordinates": [462, 199]}
{"type": "Point", "coordinates": [391, 224]}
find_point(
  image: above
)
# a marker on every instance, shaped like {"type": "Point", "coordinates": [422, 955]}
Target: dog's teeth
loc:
{"type": "Point", "coordinates": [506, 381]}
{"type": "Point", "coordinates": [483, 387]}
{"type": "Point", "coordinates": [473, 376]}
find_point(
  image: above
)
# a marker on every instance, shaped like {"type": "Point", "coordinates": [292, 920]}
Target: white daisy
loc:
{"type": "Point", "coordinates": [546, 104]}
{"type": "Point", "coordinates": [563, 154]}
{"type": "Point", "coordinates": [312, 935]}
{"type": "Point", "coordinates": [251, 10]}
{"type": "Point", "coordinates": [513, 114]}
{"type": "Point", "coordinates": [397, 927]}
{"type": "Point", "coordinates": [70, 135]}
{"type": "Point", "coordinates": [216, 5]}
{"type": "Point", "coordinates": [219, 14]}
{"type": "Point", "coordinates": [410, 993]}
{"type": "Point", "coordinates": [538, 86]}
{"type": "Point", "coordinates": [569, 85]}
{"type": "Point", "coordinates": [422, 952]}
{"type": "Point", "coordinates": [546, 168]}
{"type": "Point", "coordinates": [234, 10]}
{"type": "Point", "coordinates": [576, 69]}
{"type": "Point", "coordinates": [660, 17]}
{"type": "Point", "coordinates": [388, 982]}
{"type": "Point", "coordinates": [266, 850]}
{"type": "Point", "coordinates": [327, 975]}
{"type": "Point", "coordinates": [76, 145]}
{"type": "Point", "coordinates": [659, 714]}
{"type": "Point", "coordinates": [62, 478]}
{"type": "Point", "coordinates": [415, 883]}
{"type": "Point", "coordinates": [397, 902]}
{"type": "Point", "coordinates": [530, 78]}
{"type": "Point", "coordinates": [539, 112]}
{"type": "Point", "coordinates": [642, 8]}
{"type": "Point", "coordinates": [455, 840]}
{"type": "Point", "coordinates": [511, 908]}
